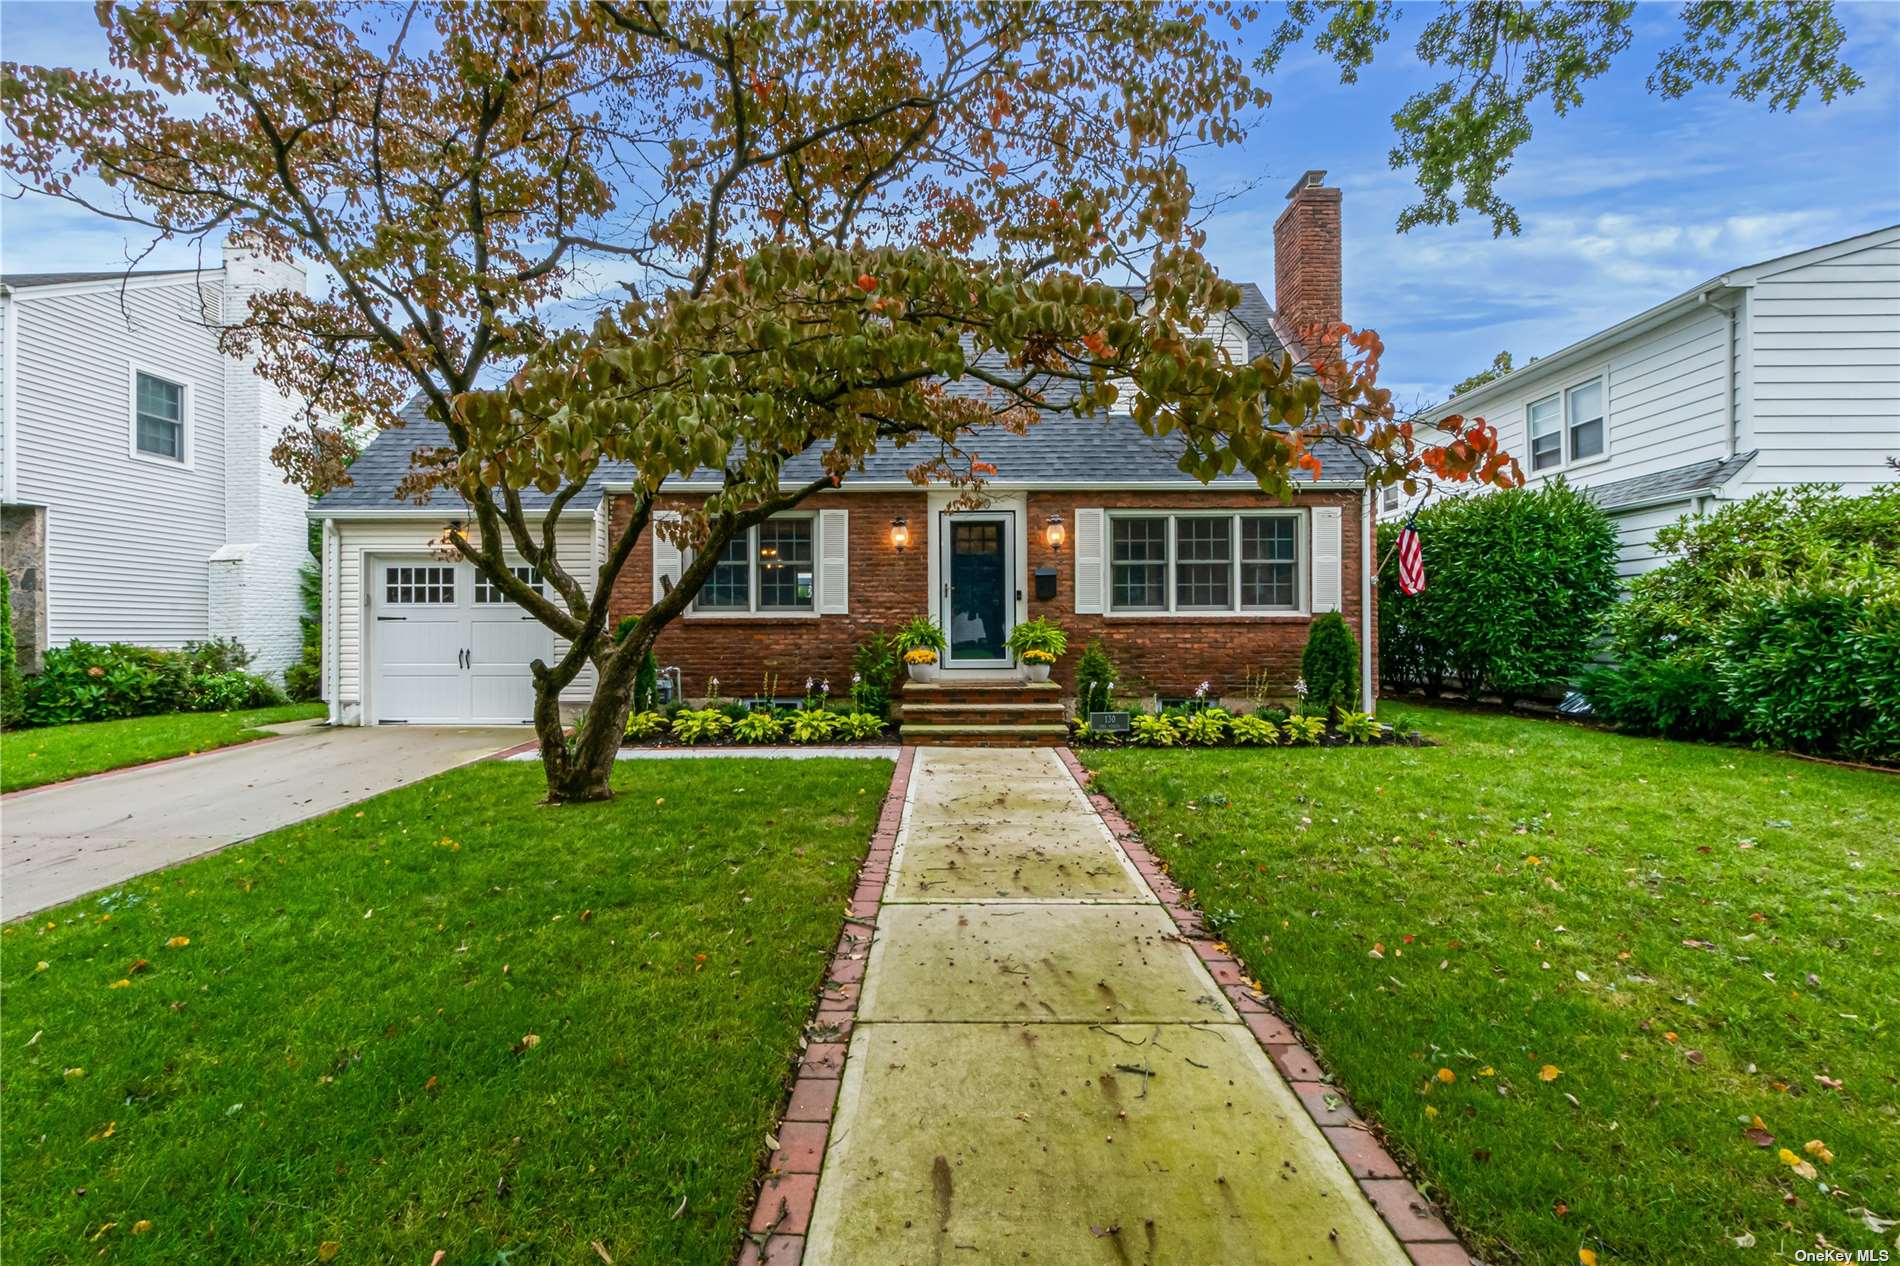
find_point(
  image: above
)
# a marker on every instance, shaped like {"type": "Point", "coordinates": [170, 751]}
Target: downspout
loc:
{"type": "Point", "coordinates": [1730, 440]}
{"type": "Point", "coordinates": [9, 414]}
{"type": "Point", "coordinates": [330, 612]}
{"type": "Point", "coordinates": [1368, 626]}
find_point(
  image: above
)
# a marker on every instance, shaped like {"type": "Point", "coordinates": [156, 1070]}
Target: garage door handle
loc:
{"type": "Point", "coordinates": [381, 618]}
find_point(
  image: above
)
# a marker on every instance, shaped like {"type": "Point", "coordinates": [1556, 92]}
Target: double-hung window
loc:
{"type": "Point", "coordinates": [1193, 563]}
{"type": "Point", "coordinates": [1567, 427]}
{"type": "Point", "coordinates": [158, 417]}
{"type": "Point", "coordinates": [767, 568]}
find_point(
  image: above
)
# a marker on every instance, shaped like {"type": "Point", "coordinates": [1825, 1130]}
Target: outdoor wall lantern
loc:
{"type": "Point", "coordinates": [1055, 533]}
{"type": "Point", "coordinates": [900, 533]}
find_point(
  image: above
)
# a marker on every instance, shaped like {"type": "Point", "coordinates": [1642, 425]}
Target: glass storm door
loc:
{"type": "Point", "coordinates": [977, 590]}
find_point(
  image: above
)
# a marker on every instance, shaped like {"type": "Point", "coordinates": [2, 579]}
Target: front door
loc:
{"type": "Point", "coordinates": [979, 589]}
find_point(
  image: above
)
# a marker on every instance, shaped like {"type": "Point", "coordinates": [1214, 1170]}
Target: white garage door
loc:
{"type": "Point", "coordinates": [448, 648]}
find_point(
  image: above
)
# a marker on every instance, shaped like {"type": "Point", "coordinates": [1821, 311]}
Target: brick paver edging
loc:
{"type": "Point", "coordinates": [776, 1234]}
{"type": "Point", "coordinates": [1412, 1218]}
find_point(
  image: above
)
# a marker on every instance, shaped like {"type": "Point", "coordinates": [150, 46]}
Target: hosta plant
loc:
{"type": "Point", "coordinates": [1150, 731]}
{"type": "Point", "coordinates": [1254, 732]}
{"type": "Point", "coordinates": [645, 725]}
{"type": "Point", "coordinates": [1304, 731]}
{"type": "Point", "coordinates": [1207, 728]}
{"type": "Point", "coordinates": [702, 725]}
{"type": "Point", "coordinates": [759, 727]}
{"type": "Point", "coordinates": [856, 727]}
{"type": "Point", "coordinates": [1359, 727]}
{"type": "Point", "coordinates": [812, 725]}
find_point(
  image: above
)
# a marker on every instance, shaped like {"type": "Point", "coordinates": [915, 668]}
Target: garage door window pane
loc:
{"type": "Point", "coordinates": [785, 564]}
{"type": "Point", "coordinates": [1203, 565]}
{"type": "Point", "coordinates": [726, 588]}
{"type": "Point", "coordinates": [486, 593]}
{"type": "Point", "coordinates": [1269, 563]}
{"type": "Point", "coordinates": [419, 586]}
{"type": "Point", "coordinates": [1139, 550]}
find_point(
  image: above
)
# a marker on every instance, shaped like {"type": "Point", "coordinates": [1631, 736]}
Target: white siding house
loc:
{"type": "Point", "coordinates": [140, 501]}
{"type": "Point", "coordinates": [1784, 372]}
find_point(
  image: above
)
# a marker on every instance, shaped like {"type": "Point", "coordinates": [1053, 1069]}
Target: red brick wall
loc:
{"type": "Point", "coordinates": [1306, 262]}
{"type": "Point", "coordinates": [1170, 655]}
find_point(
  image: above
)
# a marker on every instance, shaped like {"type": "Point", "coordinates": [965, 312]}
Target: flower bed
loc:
{"type": "Point", "coordinates": [762, 724]}
{"type": "Point", "coordinates": [1196, 726]}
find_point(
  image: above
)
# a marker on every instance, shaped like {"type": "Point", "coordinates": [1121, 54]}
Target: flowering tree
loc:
{"type": "Point", "coordinates": [827, 216]}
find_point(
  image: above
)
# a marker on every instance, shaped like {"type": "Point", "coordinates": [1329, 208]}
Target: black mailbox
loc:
{"type": "Point", "coordinates": [1045, 583]}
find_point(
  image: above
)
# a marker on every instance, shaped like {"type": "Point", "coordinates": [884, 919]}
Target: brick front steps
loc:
{"type": "Point", "coordinates": [982, 712]}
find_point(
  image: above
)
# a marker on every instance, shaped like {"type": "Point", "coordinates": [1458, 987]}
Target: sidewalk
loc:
{"type": "Point", "coordinates": [1042, 1070]}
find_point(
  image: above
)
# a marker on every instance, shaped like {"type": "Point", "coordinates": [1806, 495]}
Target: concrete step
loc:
{"type": "Point", "coordinates": [934, 713]}
{"type": "Point", "coordinates": [962, 735]}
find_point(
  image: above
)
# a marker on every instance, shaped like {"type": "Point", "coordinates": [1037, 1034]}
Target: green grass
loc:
{"type": "Point", "coordinates": [30, 758]}
{"type": "Point", "coordinates": [338, 1055]}
{"type": "Point", "coordinates": [1745, 904]}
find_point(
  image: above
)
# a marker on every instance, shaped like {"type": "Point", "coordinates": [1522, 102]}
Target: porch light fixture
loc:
{"type": "Point", "coordinates": [900, 533]}
{"type": "Point", "coordinates": [1055, 533]}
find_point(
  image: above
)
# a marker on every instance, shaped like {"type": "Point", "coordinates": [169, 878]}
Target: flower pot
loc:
{"type": "Point", "coordinates": [922, 672]}
{"type": "Point", "coordinates": [1036, 672]}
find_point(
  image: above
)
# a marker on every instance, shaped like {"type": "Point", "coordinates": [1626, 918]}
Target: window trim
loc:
{"type": "Point", "coordinates": [752, 610]}
{"type": "Point", "coordinates": [1560, 393]}
{"type": "Point", "coordinates": [187, 402]}
{"type": "Point", "coordinates": [1302, 567]}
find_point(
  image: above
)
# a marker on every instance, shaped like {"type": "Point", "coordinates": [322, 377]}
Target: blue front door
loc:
{"type": "Point", "coordinates": [978, 588]}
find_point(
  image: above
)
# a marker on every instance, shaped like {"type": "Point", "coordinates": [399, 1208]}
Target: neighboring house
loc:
{"type": "Point", "coordinates": [1784, 372]}
{"type": "Point", "coordinates": [1087, 520]}
{"type": "Point", "coordinates": [140, 502]}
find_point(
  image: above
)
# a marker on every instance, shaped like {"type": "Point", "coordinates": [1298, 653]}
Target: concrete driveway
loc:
{"type": "Point", "coordinates": [61, 842]}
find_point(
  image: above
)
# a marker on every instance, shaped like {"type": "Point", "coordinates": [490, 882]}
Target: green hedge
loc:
{"type": "Point", "coordinates": [1518, 584]}
{"type": "Point", "coordinates": [85, 681]}
{"type": "Point", "coordinates": [1775, 621]}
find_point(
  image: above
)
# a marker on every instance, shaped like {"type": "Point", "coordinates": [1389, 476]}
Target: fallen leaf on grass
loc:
{"type": "Point", "coordinates": [1745, 1240]}
{"type": "Point", "coordinates": [1798, 1165]}
{"type": "Point", "coordinates": [1549, 1072]}
{"type": "Point", "coordinates": [1873, 1221]}
{"type": "Point", "coordinates": [1757, 1133]}
{"type": "Point", "coordinates": [178, 942]}
{"type": "Point", "coordinates": [1447, 1076]}
{"type": "Point", "coordinates": [1829, 1083]}
{"type": "Point", "coordinates": [120, 984]}
{"type": "Point", "coordinates": [601, 1249]}
{"type": "Point", "coordinates": [328, 1250]}
{"type": "Point", "coordinates": [141, 1226]}
{"type": "Point", "coordinates": [1817, 1149]}
{"type": "Point", "coordinates": [1586, 1257]}
{"type": "Point", "coordinates": [111, 1129]}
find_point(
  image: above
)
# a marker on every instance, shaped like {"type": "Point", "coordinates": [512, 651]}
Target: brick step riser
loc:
{"type": "Point", "coordinates": [1001, 693]}
{"type": "Point", "coordinates": [928, 714]}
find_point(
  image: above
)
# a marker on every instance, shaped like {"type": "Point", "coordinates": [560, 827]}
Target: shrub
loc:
{"type": "Point", "coordinates": [701, 725]}
{"type": "Point", "coordinates": [1094, 680]}
{"type": "Point", "coordinates": [814, 725]}
{"type": "Point", "coordinates": [85, 681]}
{"type": "Point", "coordinates": [1518, 584]}
{"type": "Point", "coordinates": [645, 724]}
{"type": "Point", "coordinates": [10, 684]}
{"type": "Point", "coordinates": [1775, 620]}
{"type": "Point", "coordinates": [1330, 665]}
{"type": "Point", "coordinates": [759, 727]}
{"type": "Point", "coordinates": [873, 670]}
{"type": "Point", "coordinates": [1040, 634]}
{"type": "Point", "coordinates": [1205, 728]}
{"type": "Point", "coordinates": [1358, 727]}
{"type": "Point", "coordinates": [303, 680]}
{"type": "Point", "coordinates": [920, 632]}
{"type": "Point", "coordinates": [646, 683]}
{"type": "Point", "coordinates": [858, 727]}
{"type": "Point", "coordinates": [1303, 731]}
{"type": "Point", "coordinates": [1151, 731]}
{"type": "Point", "coordinates": [1255, 731]}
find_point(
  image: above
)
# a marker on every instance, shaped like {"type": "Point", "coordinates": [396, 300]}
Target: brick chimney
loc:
{"type": "Point", "coordinates": [1306, 287]}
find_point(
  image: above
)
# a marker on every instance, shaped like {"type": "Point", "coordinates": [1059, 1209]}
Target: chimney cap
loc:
{"type": "Point", "coordinates": [1307, 180]}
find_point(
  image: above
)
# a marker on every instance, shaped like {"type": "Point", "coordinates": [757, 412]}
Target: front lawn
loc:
{"type": "Point", "coordinates": [55, 753]}
{"type": "Point", "coordinates": [446, 1019]}
{"type": "Point", "coordinates": [1566, 970]}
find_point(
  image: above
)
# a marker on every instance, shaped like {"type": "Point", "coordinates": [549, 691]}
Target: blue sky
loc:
{"type": "Point", "coordinates": [1625, 202]}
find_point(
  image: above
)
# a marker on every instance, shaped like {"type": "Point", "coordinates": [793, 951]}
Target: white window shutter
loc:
{"type": "Point", "coordinates": [834, 586]}
{"type": "Point", "coordinates": [666, 555]}
{"type": "Point", "coordinates": [1327, 572]}
{"type": "Point", "coordinates": [1091, 529]}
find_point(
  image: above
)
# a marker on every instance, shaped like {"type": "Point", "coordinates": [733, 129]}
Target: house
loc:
{"type": "Point", "coordinates": [140, 502]}
{"type": "Point", "coordinates": [1087, 520]}
{"type": "Point", "coordinates": [1783, 372]}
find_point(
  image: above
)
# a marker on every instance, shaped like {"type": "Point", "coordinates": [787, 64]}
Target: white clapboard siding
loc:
{"type": "Point", "coordinates": [1328, 568]}
{"type": "Point", "coordinates": [360, 539]}
{"type": "Point", "coordinates": [667, 562]}
{"type": "Point", "coordinates": [1090, 548]}
{"type": "Point", "coordinates": [834, 548]}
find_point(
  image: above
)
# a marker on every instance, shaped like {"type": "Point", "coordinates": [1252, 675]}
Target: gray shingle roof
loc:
{"type": "Point", "coordinates": [1059, 449]}
{"type": "Point", "coordinates": [1680, 483]}
{"type": "Point", "coordinates": [22, 281]}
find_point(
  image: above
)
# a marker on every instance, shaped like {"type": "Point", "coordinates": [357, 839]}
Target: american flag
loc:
{"type": "Point", "coordinates": [1411, 560]}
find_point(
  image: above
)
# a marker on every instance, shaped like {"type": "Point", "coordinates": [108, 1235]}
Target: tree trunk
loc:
{"type": "Point", "coordinates": [580, 770]}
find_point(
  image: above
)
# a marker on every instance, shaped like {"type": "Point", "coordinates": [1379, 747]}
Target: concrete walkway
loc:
{"type": "Point", "coordinates": [1043, 1071]}
{"type": "Point", "coordinates": [67, 840]}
